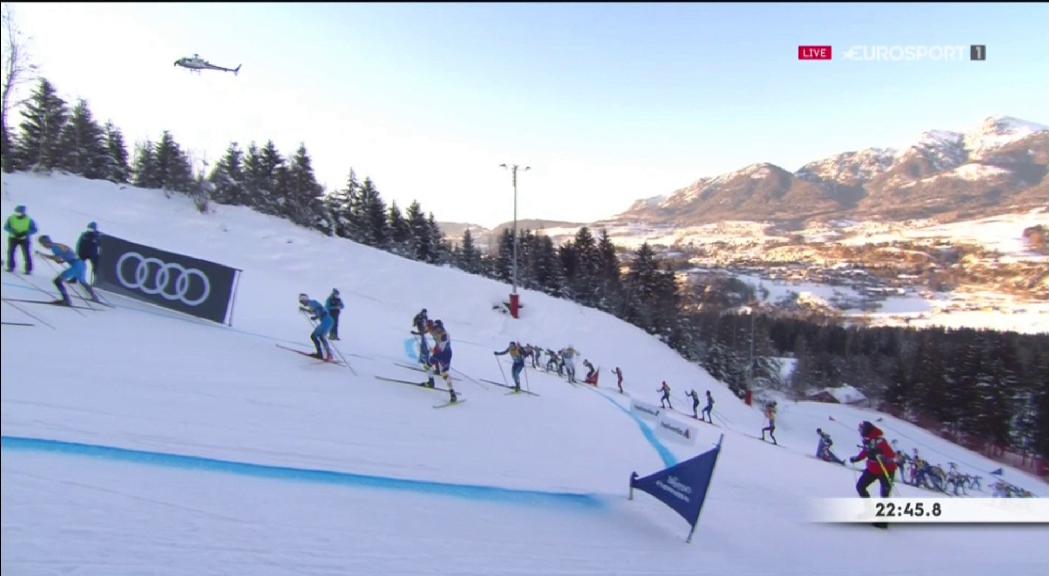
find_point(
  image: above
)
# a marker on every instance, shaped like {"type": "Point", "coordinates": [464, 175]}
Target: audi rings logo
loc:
{"type": "Point", "coordinates": [171, 281]}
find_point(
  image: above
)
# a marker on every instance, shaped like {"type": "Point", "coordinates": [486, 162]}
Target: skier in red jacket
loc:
{"type": "Point", "coordinates": [881, 460]}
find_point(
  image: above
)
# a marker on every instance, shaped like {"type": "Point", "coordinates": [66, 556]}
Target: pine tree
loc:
{"type": "Point", "coordinates": [144, 173]}
{"type": "Point", "coordinates": [264, 178]}
{"type": "Point", "coordinates": [504, 257]}
{"type": "Point", "coordinates": [39, 147]}
{"type": "Point", "coordinates": [419, 230]}
{"type": "Point", "coordinates": [437, 242]}
{"type": "Point", "coordinates": [302, 192]}
{"type": "Point", "coordinates": [117, 169]}
{"type": "Point", "coordinates": [372, 210]}
{"type": "Point", "coordinates": [227, 178]}
{"type": "Point", "coordinates": [172, 168]}
{"type": "Point", "coordinates": [469, 255]}
{"type": "Point", "coordinates": [400, 232]}
{"type": "Point", "coordinates": [609, 282]}
{"type": "Point", "coordinates": [528, 259]}
{"type": "Point", "coordinates": [254, 178]}
{"type": "Point", "coordinates": [584, 280]}
{"type": "Point", "coordinates": [548, 273]}
{"type": "Point", "coordinates": [652, 299]}
{"type": "Point", "coordinates": [929, 383]}
{"type": "Point", "coordinates": [81, 144]}
{"type": "Point", "coordinates": [343, 204]}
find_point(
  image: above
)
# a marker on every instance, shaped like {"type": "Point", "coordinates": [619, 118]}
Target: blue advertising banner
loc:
{"type": "Point", "coordinates": [682, 487]}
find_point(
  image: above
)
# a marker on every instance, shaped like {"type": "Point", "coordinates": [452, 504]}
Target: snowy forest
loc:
{"type": "Point", "coordinates": [987, 390]}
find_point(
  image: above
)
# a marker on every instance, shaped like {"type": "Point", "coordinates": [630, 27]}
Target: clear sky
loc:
{"type": "Point", "coordinates": [608, 103]}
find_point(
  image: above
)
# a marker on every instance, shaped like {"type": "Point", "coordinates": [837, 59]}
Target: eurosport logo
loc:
{"type": "Point", "coordinates": [898, 53]}
{"type": "Point", "coordinates": [153, 276]}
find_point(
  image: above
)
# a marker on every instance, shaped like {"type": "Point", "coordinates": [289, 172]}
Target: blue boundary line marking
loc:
{"type": "Point", "coordinates": [558, 500]}
{"type": "Point", "coordinates": [668, 457]}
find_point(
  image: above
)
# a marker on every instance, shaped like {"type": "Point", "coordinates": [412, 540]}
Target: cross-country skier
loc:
{"type": "Point", "coordinates": [881, 462]}
{"type": "Point", "coordinates": [591, 373]}
{"type": "Point", "coordinates": [770, 413]}
{"type": "Point", "coordinates": [334, 306]}
{"type": "Point", "coordinates": [20, 229]}
{"type": "Point", "coordinates": [319, 336]}
{"type": "Point", "coordinates": [553, 362]}
{"type": "Point", "coordinates": [823, 449]}
{"type": "Point", "coordinates": [88, 247]}
{"type": "Point", "coordinates": [695, 403]}
{"type": "Point", "coordinates": [568, 358]}
{"type": "Point", "coordinates": [665, 400]}
{"type": "Point", "coordinates": [619, 378]}
{"type": "Point", "coordinates": [420, 324]}
{"type": "Point", "coordinates": [441, 357]}
{"type": "Point", "coordinates": [77, 271]}
{"type": "Point", "coordinates": [516, 353]}
{"type": "Point", "coordinates": [532, 351]}
{"type": "Point", "coordinates": [708, 410]}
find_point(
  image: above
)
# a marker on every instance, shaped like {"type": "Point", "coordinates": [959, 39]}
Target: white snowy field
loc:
{"type": "Point", "coordinates": [140, 441]}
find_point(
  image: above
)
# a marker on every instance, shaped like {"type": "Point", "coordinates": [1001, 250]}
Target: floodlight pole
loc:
{"type": "Point", "coordinates": [514, 302]}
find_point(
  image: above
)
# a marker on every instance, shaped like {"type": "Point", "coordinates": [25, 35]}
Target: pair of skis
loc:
{"type": "Point", "coordinates": [309, 355]}
{"type": "Point", "coordinates": [513, 390]}
{"type": "Point", "coordinates": [423, 385]}
{"type": "Point", "coordinates": [61, 303]}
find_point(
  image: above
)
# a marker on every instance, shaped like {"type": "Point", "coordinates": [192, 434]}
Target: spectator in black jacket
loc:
{"type": "Point", "coordinates": [89, 249]}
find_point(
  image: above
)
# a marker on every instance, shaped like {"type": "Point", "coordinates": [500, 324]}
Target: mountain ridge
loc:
{"type": "Point", "coordinates": [999, 166]}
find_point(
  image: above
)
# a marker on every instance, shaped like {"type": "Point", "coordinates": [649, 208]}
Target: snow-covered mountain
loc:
{"type": "Point", "coordinates": [997, 132]}
{"type": "Point", "coordinates": [140, 441]}
{"type": "Point", "coordinates": [997, 167]}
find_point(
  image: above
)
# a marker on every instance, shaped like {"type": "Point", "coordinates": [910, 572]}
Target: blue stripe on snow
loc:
{"type": "Point", "coordinates": [465, 491]}
{"type": "Point", "coordinates": [668, 457]}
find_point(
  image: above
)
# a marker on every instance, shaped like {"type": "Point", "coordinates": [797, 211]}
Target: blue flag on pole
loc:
{"type": "Point", "coordinates": [682, 487]}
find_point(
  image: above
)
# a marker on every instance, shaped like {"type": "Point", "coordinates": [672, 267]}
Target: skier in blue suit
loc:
{"type": "Point", "coordinates": [324, 323]}
{"type": "Point", "coordinates": [77, 271]}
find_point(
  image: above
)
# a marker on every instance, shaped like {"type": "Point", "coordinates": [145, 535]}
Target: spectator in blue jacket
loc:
{"type": "Point", "coordinates": [334, 305]}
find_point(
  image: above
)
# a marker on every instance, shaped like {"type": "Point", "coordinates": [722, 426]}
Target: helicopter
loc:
{"type": "Point", "coordinates": [196, 63]}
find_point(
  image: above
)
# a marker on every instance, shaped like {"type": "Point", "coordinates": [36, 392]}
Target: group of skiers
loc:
{"type": "Point", "coordinates": [707, 413]}
{"type": "Point", "coordinates": [20, 228]}
{"type": "Point", "coordinates": [438, 359]}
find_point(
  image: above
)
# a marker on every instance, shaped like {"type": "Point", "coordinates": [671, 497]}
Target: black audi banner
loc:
{"type": "Point", "coordinates": [190, 285]}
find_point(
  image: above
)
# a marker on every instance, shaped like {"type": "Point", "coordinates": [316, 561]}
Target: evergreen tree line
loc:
{"type": "Point", "coordinates": [979, 387]}
{"type": "Point", "coordinates": [586, 270]}
{"type": "Point", "coordinates": [54, 137]}
{"type": "Point", "coordinates": [986, 384]}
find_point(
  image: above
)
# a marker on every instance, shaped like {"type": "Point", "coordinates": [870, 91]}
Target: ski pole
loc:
{"type": "Point", "coordinates": [838, 422]}
{"type": "Point", "coordinates": [503, 373]}
{"type": "Point", "coordinates": [45, 292]}
{"type": "Point", "coordinates": [468, 377]}
{"type": "Point", "coordinates": [34, 286]}
{"type": "Point", "coordinates": [338, 352]}
{"type": "Point", "coordinates": [27, 313]}
{"type": "Point", "coordinates": [527, 385]}
{"type": "Point", "coordinates": [885, 472]}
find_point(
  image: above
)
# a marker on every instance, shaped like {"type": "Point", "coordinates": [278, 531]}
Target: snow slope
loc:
{"type": "Point", "coordinates": [139, 441]}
